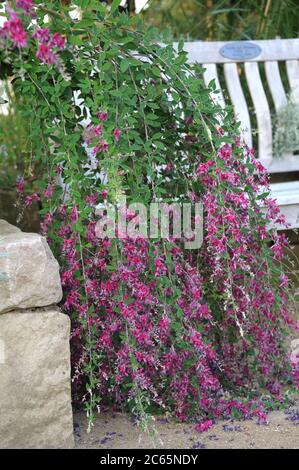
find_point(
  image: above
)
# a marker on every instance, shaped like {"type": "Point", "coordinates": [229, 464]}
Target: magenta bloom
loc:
{"type": "Point", "coordinates": [14, 29]}
{"type": "Point", "coordinates": [20, 185]}
{"type": "Point", "coordinates": [116, 134]}
{"type": "Point", "coordinates": [46, 43]}
{"type": "Point", "coordinates": [41, 34]}
{"type": "Point", "coordinates": [74, 216]}
{"type": "Point", "coordinates": [48, 218]}
{"type": "Point", "coordinates": [26, 6]}
{"type": "Point", "coordinates": [98, 130]}
{"type": "Point", "coordinates": [49, 191]}
{"type": "Point", "coordinates": [104, 146]}
{"type": "Point", "coordinates": [45, 54]}
{"type": "Point", "coordinates": [30, 199]}
{"type": "Point", "coordinates": [58, 41]}
{"type": "Point", "coordinates": [189, 120]}
{"type": "Point", "coordinates": [102, 116]}
{"type": "Point", "coordinates": [59, 170]}
{"type": "Point", "coordinates": [92, 199]}
{"type": "Point", "coordinates": [204, 425]}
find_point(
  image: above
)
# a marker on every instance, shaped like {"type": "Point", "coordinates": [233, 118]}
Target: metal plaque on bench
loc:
{"type": "Point", "coordinates": [240, 50]}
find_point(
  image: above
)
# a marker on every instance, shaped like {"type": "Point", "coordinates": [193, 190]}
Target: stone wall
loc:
{"type": "Point", "coordinates": [35, 395]}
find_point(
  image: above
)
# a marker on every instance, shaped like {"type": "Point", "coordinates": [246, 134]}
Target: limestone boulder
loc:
{"type": "Point", "coordinates": [35, 394]}
{"type": "Point", "coordinates": [7, 229]}
{"type": "Point", "coordinates": [29, 273]}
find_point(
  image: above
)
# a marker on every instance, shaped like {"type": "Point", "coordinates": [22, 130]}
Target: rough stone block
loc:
{"type": "Point", "coordinates": [35, 396]}
{"type": "Point", "coordinates": [7, 229]}
{"type": "Point", "coordinates": [29, 273]}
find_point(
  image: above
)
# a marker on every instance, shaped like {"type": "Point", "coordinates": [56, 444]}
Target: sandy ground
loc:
{"type": "Point", "coordinates": [117, 431]}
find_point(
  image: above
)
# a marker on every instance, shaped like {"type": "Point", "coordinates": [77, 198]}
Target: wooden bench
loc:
{"type": "Point", "coordinates": [251, 55]}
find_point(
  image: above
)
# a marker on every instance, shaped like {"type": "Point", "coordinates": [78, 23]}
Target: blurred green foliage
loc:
{"type": "Point", "coordinates": [224, 19]}
{"type": "Point", "coordinates": [14, 144]}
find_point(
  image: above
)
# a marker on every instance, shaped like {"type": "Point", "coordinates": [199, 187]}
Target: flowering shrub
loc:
{"type": "Point", "coordinates": [199, 333]}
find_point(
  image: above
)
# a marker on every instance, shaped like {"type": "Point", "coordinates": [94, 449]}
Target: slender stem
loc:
{"type": "Point", "coordinates": [49, 11]}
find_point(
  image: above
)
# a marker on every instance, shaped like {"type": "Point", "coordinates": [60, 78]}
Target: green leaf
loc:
{"type": "Point", "coordinates": [156, 71]}
{"type": "Point", "coordinates": [124, 65]}
{"type": "Point", "coordinates": [263, 196]}
{"type": "Point", "coordinates": [114, 6]}
{"type": "Point", "coordinates": [181, 45]}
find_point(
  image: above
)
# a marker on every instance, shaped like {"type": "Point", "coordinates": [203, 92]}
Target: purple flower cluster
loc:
{"type": "Point", "coordinates": [15, 31]}
{"type": "Point", "coordinates": [47, 45]}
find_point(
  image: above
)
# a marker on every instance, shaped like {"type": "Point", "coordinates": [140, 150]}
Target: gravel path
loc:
{"type": "Point", "coordinates": [117, 431]}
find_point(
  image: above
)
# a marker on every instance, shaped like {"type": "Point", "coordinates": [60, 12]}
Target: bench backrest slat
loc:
{"type": "Point", "coordinates": [293, 75]}
{"type": "Point", "coordinates": [237, 97]}
{"type": "Point", "coordinates": [262, 111]}
{"type": "Point", "coordinates": [210, 74]}
{"type": "Point", "coordinates": [275, 84]}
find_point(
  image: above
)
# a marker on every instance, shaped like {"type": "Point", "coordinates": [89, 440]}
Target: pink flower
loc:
{"type": "Point", "coordinates": [58, 170]}
{"type": "Point", "coordinates": [30, 199]}
{"type": "Point", "coordinates": [57, 40]}
{"type": "Point", "coordinates": [262, 233]}
{"type": "Point", "coordinates": [262, 416]}
{"type": "Point", "coordinates": [189, 120]}
{"type": "Point", "coordinates": [204, 425]}
{"type": "Point", "coordinates": [49, 191]}
{"type": "Point", "coordinates": [103, 145]}
{"type": "Point", "coordinates": [25, 5]}
{"type": "Point", "coordinates": [48, 218]}
{"type": "Point", "coordinates": [284, 280]}
{"type": "Point", "coordinates": [204, 168]}
{"type": "Point", "coordinates": [103, 116]}
{"type": "Point", "coordinates": [74, 216]}
{"type": "Point", "coordinates": [169, 167]}
{"type": "Point", "coordinates": [20, 185]}
{"type": "Point", "coordinates": [116, 134]}
{"type": "Point", "coordinates": [41, 34]}
{"type": "Point", "coordinates": [15, 30]}
{"type": "Point", "coordinates": [160, 268]}
{"type": "Point", "coordinates": [98, 130]}
{"type": "Point", "coordinates": [92, 199]}
{"type": "Point", "coordinates": [45, 54]}
{"type": "Point", "coordinates": [225, 152]}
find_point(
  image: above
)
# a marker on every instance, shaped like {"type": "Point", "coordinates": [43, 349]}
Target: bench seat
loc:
{"type": "Point", "coordinates": [287, 197]}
